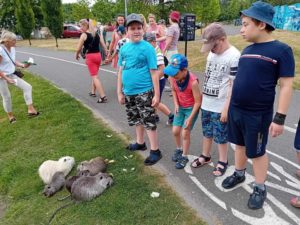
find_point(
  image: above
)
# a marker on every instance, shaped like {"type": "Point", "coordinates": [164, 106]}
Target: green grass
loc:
{"type": "Point", "coordinates": [65, 127]}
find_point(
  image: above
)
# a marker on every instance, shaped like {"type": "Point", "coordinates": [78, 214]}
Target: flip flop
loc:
{"type": "Point", "coordinates": [33, 114]}
{"type": "Point", "coordinates": [12, 120]}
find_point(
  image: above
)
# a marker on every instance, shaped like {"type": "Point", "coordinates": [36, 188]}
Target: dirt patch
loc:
{"type": "Point", "coordinates": [2, 209]}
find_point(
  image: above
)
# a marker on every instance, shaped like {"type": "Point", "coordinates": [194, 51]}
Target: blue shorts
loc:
{"type": "Point", "coordinates": [249, 129]}
{"type": "Point", "coordinates": [162, 83]}
{"type": "Point", "coordinates": [182, 115]}
{"type": "Point", "coordinates": [297, 138]}
{"type": "Point", "coordinates": [212, 127]}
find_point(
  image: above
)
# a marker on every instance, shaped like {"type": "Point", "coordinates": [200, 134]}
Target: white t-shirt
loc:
{"type": "Point", "coordinates": [220, 69]}
{"type": "Point", "coordinates": [6, 64]}
{"type": "Point", "coordinates": [160, 58]}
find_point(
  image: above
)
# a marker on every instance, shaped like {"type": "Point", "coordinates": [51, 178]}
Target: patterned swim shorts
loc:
{"type": "Point", "coordinates": [139, 110]}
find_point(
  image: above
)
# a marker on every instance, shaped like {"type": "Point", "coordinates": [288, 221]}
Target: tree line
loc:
{"type": "Point", "coordinates": [23, 16]}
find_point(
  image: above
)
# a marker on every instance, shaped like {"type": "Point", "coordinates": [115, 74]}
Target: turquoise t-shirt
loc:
{"type": "Point", "coordinates": [136, 60]}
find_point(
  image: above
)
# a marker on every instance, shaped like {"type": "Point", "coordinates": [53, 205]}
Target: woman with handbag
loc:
{"type": "Point", "coordinates": [8, 66]}
{"type": "Point", "coordinates": [91, 41]}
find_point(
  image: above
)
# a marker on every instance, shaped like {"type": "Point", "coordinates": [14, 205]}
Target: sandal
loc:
{"type": "Point", "coordinates": [12, 120]}
{"type": "Point", "coordinates": [92, 94]}
{"type": "Point", "coordinates": [295, 201]}
{"type": "Point", "coordinates": [197, 163]}
{"type": "Point", "coordinates": [219, 171]}
{"type": "Point", "coordinates": [102, 99]}
{"type": "Point", "coordinates": [33, 114]}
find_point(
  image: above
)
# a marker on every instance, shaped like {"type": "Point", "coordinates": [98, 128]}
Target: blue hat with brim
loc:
{"type": "Point", "coordinates": [261, 11]}
{"type": "Point", "coordinates": [177, 62]}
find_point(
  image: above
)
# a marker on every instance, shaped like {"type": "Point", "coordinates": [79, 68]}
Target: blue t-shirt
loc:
{"type": "Point", "coordinates": [259, 68]}
{"type": "Point", "coordinates": [136, 60]}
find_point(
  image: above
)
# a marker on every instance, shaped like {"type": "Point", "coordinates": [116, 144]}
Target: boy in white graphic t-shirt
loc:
{"type": "Point", "coordinates": [221, 67]}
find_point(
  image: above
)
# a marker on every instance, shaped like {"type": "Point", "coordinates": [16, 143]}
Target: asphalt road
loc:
{"type": "Point", "coordinates": [198, 187]}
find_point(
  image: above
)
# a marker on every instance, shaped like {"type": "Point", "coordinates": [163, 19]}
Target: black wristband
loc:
{"type": "Point", "coordinates": [279, 118]}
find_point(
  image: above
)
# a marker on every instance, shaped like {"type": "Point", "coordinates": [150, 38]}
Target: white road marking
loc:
{"type": "Point", "coordinates": [63, 60]}
{"type": "Point", "coordinates": [290, 129]}
{"type": "Point", "coordinates": [208, 193]}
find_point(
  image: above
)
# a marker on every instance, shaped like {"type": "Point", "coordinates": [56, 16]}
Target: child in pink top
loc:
{"type": "Point", "coordinates": [187, 100]}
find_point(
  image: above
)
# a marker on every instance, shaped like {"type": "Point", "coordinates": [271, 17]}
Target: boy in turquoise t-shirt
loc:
{"type": "Point", "coordinates": [138, 87]}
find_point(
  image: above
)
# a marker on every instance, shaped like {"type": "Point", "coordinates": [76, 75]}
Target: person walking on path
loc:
{"type": "Point", "coordinates": [261, 65]}
{"type": "Point", "coordinates": [91, 40]}
{"type": "Point", "coordinates": [138, 87]}
{"type": "Point", "coordinates": [173, 33]}
{"type": "Point", "coordinates": [295, 201]}
{"type": "Point", "coordinates": [151, 38]}
{"type": "Point", "coordinates": [8, 64]}
{"type": "Point", "coordinates": [187, 101]}
{"type": "Point", "coordinates": [221, 68]}
{"type": "Point", "coordinates": [114, 41]}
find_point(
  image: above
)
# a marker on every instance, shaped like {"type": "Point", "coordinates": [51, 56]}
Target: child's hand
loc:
{"type": "Point", "coordinates": [155, 101]}
{"type": "Point", "coordinates": [188, 123]}
{"type": "Point", "coordinates": [121, 98]}
{"type": "Point", "coordinates": [223, 117]}
{"type": "Point", "coordinates": [176, 110]}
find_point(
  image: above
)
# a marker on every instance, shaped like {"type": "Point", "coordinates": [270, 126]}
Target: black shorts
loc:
{"type": "Point", "coordinates": [249, 129]}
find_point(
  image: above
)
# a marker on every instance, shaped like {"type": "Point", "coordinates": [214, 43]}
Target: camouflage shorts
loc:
{"type": "Point", "coordinates": [139, 110]}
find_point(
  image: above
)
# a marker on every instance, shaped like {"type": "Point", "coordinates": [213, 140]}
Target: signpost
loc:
{"type": "Point", "coordinates": [187, 28]}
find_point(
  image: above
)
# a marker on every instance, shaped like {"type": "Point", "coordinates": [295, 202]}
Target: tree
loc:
{"type": "Point", "coordinates": [81, 10]}
{"type": "Point", "coordinates": [38, 13]}
{"type": "Point", "coordinates": [25, 18]}
{"type": "Point", "coordinates": [53, 15]}
{"type": "Point", "coordinates": [210, 10]}
{"type": "Point", "coordinates": [104, 11]}
{"type": "Point", "coordinates": [68, 13]}
{"type": "Point", "coordinates": [7, 15]}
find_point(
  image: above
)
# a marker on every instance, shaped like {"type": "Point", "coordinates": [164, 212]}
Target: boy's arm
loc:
{"type": "Point", "coordinates": [121, 97]}
{"type": "Point", "coordinates": [155, 81]}
{"type": "Point", "coordinates": [285, 95]}
{"type": "Point", "coordinates": [224, 112]}
{"type": "Point", "coordinates": [198, 100]}
{"type": "Point", "coordinates": [175, 99]}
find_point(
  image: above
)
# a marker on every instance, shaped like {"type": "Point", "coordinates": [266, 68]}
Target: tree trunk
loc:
{"type": "Point", "coordinates": [56, 42]}
{"type": "Point", "coordinates": [29, 41]}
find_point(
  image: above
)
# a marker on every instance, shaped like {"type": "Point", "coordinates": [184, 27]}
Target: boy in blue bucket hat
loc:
{"type": "Point", "coordinates": [187, 100]}
{"type": "Point", "coordinates": [250, 118]}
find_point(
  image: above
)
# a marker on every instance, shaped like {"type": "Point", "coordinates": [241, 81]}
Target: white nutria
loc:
{"type": "Point", "coordinates": [50, 167]}
{"type": "Point", "coordinates": [94, 166]}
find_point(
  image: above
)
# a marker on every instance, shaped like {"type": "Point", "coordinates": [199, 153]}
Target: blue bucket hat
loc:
{"type": "Point", "coordinates": [261, 11]}
{"type": "Point", "coordinates": [177, 62]}
{"type": "Point", "coordinates": [121, 29]}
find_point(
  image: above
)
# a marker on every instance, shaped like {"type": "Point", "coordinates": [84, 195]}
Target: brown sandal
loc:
{"type": "Point", "coordinates": [197, 163]}
{"type": "Point", "coordinates": [295, 201]}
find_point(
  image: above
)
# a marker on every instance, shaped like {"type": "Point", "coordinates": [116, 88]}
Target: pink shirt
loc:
{"type": "Point", "coordinates": [185, 98]}
{"type": "Point", "coordinates": [159, 32]}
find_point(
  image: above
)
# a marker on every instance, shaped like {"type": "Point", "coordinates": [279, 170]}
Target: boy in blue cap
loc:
{"type": "Point", "coordinates": [187, 101]}
{"type": "Point", "coordinates": [261, 65]}
{"type": "Point", "coordinates": [138, 87]}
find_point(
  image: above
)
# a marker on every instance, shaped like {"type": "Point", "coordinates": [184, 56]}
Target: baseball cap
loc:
{"type": "Point", "coordinates": [133, 17]}
{"type": "Point", "coordinates": [149, 36]}
{"type": "Point", "coordinates": [261, 11]}
{"type": "Point", "coordinates": [210, 35]}
{"type": "Point", "coordinates": [177, 62]}
{"type": "Point", "coordinates": [175, 15]}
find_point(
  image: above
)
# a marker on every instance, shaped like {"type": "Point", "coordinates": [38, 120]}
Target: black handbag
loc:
{"type": "Point", "coordinates": [18, 73]}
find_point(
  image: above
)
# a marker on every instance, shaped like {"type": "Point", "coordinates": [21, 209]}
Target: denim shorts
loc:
{"type": "Point", "coordinates": [297, 138]}
{"type": "Point", "coordinates": [139, 110]}
{"type": "Point", "coordinates": [249, 129]}
{"type": "Point", "coordinates": [182, 115]}
{"type": "Point", "coordinates": [212, 127]}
